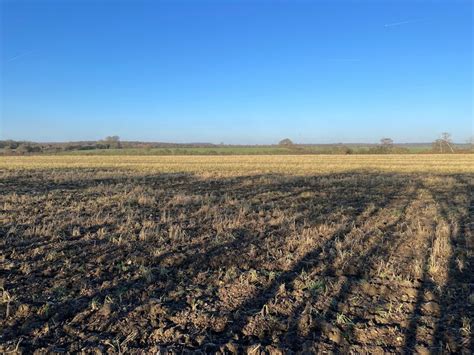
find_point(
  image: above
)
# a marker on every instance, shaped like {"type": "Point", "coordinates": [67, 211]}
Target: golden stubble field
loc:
{"type": "Point", "coordinates": [236, 254]}
{"type": "Point", "coordinates": [246, 164]}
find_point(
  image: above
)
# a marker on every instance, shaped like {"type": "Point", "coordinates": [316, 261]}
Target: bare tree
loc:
{"type": "Point", "coordinates": [446, 137]}
{"type": "Point", "coordinates": [385, 146]}
{"type": "Point", "coordinates": [386, 142]}
{"type": "Point", "coordinates": [113, 142]}
{"type": "Point", "coordinates": [112, 139]}
{"type": "Point", "coordinates": [443, 144]}
{"type": "Point", "coordinates": [470, 141]}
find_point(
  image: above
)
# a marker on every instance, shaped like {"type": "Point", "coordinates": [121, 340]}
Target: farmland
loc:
{"type": "Point", "coordinates": [234, 254]}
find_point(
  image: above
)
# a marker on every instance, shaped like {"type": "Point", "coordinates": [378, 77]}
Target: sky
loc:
{"type": "Point", "coordinates": [237, 72]}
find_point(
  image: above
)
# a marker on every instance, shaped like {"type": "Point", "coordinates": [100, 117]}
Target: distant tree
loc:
{"type": "Point", "coordinates": [112, 139]}
{"type": "Point", "coordinates": [286, 142]}
{"type": "Point", "coordinates": [10, 144]}
{"type": "Point", "coordinates": [386, 145]}
{"type": "Point", "coordinates": [443, 144]}
{"type": "Point", "coordinates": [386, 142]}
{"type": "Point", "coordinates": [437, 146]}
{"type": "Point", "coordinates": [24, 148]}
{"type": "Point", "coordinates": [470, 141]}
{"type": "Point", "coordinates": [342, 149]}
{"type": "Point", "coordinates": [446, 136]}
{"type": "Point", "coordinates": [113, 142]}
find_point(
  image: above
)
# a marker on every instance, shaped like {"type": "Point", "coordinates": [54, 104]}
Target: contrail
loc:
{"type": "Point", "coordinates": [18, 56]}
{"type": "Point", "coordinates": [393, 24]}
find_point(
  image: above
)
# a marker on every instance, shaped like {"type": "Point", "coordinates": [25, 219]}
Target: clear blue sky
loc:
{"type": "Point", "coordinates": [236, 71]}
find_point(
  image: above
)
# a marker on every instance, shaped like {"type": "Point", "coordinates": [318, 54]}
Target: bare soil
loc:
{"type": "Point", "coordinates": [99, 260]}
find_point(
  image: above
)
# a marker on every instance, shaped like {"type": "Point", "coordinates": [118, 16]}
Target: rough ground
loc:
{"type": "Point", "coordinates": [96, 259]}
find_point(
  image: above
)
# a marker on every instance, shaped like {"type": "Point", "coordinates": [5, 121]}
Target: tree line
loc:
{"type": "Point", "coordinates": [442, 145]}
{"type": "Point", "coordinates": [386, 145]}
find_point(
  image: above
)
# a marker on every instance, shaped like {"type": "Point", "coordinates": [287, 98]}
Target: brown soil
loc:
{"type": "Point", "coordinates": [97, 260]}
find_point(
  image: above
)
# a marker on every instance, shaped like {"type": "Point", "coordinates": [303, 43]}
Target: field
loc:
{"type": "Point", "coordinates": [98, 148]}
{"type": "Point", "coordinates": [237, 254]}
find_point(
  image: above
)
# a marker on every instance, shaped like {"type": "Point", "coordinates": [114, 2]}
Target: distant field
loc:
{"type": "Point", "coordinates": [134, 148]}
{"type": "Point", "coordinates": [244, 164]}
{"type": "Point", "coordinates": [237, 254]}
{"type": "Point", "coordinates": [184, 151]}
{"type": "Point", "coordinates": [238, 150]}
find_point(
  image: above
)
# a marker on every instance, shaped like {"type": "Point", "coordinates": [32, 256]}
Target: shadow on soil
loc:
{"type": "Point", "coordinates": [89, 271]}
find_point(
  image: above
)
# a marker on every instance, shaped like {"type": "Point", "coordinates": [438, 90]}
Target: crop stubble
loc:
{"type": "Point", "coordinates": [234, 254]}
